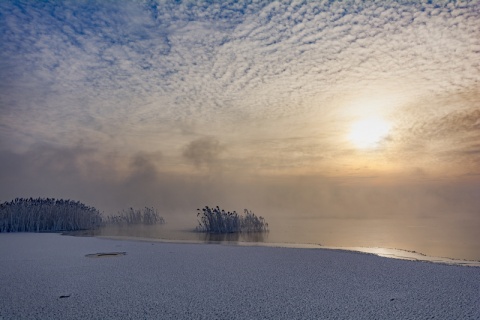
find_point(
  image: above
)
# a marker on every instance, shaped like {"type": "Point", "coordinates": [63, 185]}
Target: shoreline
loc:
{"type": "Point", "coordinates": [392, 253]}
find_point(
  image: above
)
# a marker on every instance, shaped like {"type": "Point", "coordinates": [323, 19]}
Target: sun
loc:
{"type": "Point", "coordinates": [367, 133]}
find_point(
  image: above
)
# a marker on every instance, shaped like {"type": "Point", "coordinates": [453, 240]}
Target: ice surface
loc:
{"type": "Point", "coordinates": [381, 252]}
{"type": "Point", "coordinates": [48, 276]}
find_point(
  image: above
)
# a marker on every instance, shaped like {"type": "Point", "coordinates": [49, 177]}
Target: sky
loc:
{"type": "Point", "coordinates": [297, 109]}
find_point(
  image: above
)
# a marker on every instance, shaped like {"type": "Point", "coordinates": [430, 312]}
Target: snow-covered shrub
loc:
{"type": "Point", "coordinates": [136, 216]}
{"type": "Point", "coordinates": [47, 214]}
{"type": "Point", "coordinates": [216, 220]}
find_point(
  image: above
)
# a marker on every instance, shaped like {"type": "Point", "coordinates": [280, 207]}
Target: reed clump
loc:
{"type": "Point", "coordinates": [216, 220]}
{"type": "Point", "coordinates": [47, 215]}
{"type": "Point", "coordinates": [133, 216]}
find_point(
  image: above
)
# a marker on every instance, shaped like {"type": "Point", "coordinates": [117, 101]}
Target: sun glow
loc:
{"type": "Point", "coordinates": [367, 133]}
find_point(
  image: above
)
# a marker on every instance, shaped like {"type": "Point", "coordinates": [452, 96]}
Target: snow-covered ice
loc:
{"type": "Point", "coordinates": [49, 276]}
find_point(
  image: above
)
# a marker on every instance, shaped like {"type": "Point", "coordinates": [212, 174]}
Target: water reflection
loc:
{"type": "Point", "coordinates": [433, 237]}
{"type": "Point", "coordinates": [233, 237]}
{"type": "Point", "coordinates": [166, 233]}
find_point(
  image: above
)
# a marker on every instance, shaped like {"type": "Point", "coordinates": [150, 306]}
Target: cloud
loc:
{"type": "Point", "coordinates": [148, 62]}
{"type": "Point", "coordinates": [203, 151]}
{"type": "Point", "coordinates": [449, 125]}
{"type": "Point", "coordinates": [444, 133]}
{"type": "Point", "coordinates": [104, 87]}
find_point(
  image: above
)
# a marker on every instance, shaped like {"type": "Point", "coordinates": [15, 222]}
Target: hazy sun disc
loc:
{"type": "Point", "coordinates": [367, 133]}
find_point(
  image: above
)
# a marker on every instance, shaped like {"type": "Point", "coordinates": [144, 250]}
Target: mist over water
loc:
{"type": "Point", "coordinates": [447, 239]}
{"type": "Point", "coordinates": [432, 216]}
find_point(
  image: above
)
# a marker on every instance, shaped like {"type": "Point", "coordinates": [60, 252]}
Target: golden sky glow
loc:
{"type": "Point", "coordinates": [144, 94]}
{"type": "Point", "coordinates": [369, 132]}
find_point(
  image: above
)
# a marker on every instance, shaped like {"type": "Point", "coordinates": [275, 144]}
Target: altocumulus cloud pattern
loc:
{"type": "Point", "coordinates": [254, 75]}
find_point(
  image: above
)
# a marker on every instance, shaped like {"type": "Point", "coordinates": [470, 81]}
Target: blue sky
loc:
{"type": "Point", "coordinates": [119, 93]}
